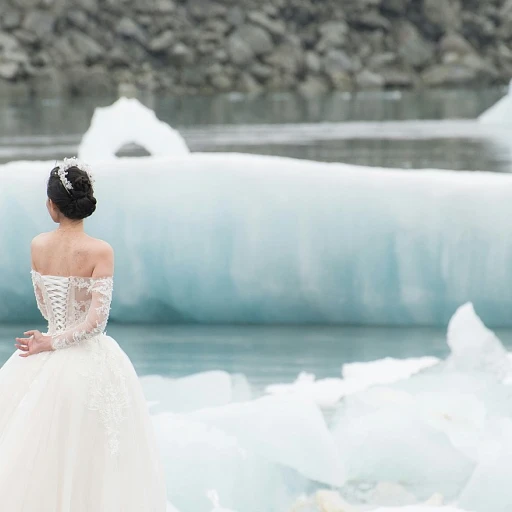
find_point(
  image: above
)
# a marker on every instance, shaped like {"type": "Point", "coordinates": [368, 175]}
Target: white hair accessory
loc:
{"type": "Point", "coordinates": [67, 164]}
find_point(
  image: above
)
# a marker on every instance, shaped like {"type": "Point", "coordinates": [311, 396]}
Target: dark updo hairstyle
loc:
{"type": "Point", "coordinates": [78, 202]}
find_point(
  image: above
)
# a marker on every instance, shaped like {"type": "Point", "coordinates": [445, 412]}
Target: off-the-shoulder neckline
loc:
{"type": "Point", "coordinates": [70, 277]}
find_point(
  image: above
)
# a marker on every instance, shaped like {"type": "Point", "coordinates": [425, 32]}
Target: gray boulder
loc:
{"type": "Point", "coordinates": [449, 74]}
{"type": "Point", "coordinates": [182, 55]}
{"type": "Point", "coordinates": [414, 50]}
{"type": "Point", "coordinates": [338, 61]}
{"type": "Point", "coordinates": [313, 86]}
{"type": "Point", "coordinates": [443, 14]}
{"type": "Point", "coordinates": [313, 63]}
{"type": "Point", "coordinates": [255, 37]}
{"type": "Point", "coordinates": [275, 27]}
{"type": "Point", "coordinates": [455, 43]}
{"type": "Point", "coordinates": [367, 79]}
{"type": "Point", "coordinates": [11, 19]}
{"type": "Point", "coordinates": [239, 50]}
{"type": "Point", "coordinates": [131, 30]}
{"type": "Point", "coordinates": [395, 7]}
{"type": "Point", "coordinates": [40, 23]}
{"type": "Point", "coordinates": [333, 34]}
{"type": "Point", "coordinates": [163, 42]}
{"type": "Point", "coordinates": [9, 70]}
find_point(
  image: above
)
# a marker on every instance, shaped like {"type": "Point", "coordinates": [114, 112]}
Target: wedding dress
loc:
{"type": "Point", "coordinates": [75, 433]}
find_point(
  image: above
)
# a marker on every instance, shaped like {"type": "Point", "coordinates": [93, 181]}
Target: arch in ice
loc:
{"type": "Point", "coordinates": [128, 121]}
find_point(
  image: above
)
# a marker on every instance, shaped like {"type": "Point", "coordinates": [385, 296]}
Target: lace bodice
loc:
{"type": "Point", "coordinates": [76, 308]}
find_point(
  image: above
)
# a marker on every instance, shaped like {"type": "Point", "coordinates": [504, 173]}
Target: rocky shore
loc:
{"type": "Point", "coordinates": [205, 46]}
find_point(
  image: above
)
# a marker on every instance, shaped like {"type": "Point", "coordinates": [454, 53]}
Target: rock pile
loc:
{"type": "Point", "coordinates": [203, 46]}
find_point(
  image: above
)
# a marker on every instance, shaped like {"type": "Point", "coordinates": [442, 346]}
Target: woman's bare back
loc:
{"type": "Point", "coordinates": [70, 253]}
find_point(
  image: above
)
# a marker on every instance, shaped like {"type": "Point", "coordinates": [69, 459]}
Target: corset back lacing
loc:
{"type": "Point", "coordinates": [58, 290]}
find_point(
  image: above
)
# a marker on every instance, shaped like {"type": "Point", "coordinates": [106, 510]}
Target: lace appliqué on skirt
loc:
{"type": "Point", "coordinates": [108, 394]}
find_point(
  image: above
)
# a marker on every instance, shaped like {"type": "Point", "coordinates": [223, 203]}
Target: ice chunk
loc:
{"type": "Point", "coordinates": [393, 444]}
{"type": "Point", "coordinates": [214, 498]}
{"type": "Point", "coordinates": [284, 430]}
{"type": "Point", "coordinates": [324, 392]}
{"type": "Point", "coordinates": [356, 245]}
{"type": "Point", "coordinates": [474, 348]}
{"type": "Point", "coordinates": [357, 377]}
{"type": "Point", "coordinates": [129, 121]}
{"type": "Point", "coordinates": [208, 389]}
{"type": "Point", "coordinates": [501, 112]}
{"type": "Point", "coordinates": [388, 370]}
{"type": "Point", "coordinates": [489, 488]}
{"type": "Point", "coordinates": [421, 508]}
{"type": "Point", "coordinates": [197, 458]}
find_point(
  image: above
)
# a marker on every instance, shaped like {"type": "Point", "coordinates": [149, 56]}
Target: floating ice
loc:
{"type": "Point", "coordinates": [474, 348]}
{"type": "Point", "coordinates": [357, 377]}
{"type": "Point", "coordinates": [214, 498]}
{"type": "Point", "coordinates": [394, 444]}
{"type": "Point", "coordinates": [420, 508]}
{"type": "Point", "coordinates": [198, 391]}
{"type": "Point", "coordinates": [198, 458]}
{"type": "Point", "coordinates": [285, 431]}
{"type": "Point", "coordinates": [386, 371]}
{"type": "Point", "coordinates": [128, 121]}
{"type": "Point", "coordinates": [500, 112]}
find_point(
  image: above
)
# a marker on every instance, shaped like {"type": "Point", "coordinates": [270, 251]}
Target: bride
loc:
{"type": "Point", "coordinates": [75, 434]}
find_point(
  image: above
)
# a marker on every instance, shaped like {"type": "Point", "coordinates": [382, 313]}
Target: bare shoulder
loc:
{"type": "Point", "coordinates": [100, 247]}
{"type": "Point", "coordinates": [103, 255]}
{"type": "Point", "coordinates": [40, 240]}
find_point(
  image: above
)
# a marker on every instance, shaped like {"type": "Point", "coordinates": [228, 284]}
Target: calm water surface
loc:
{"type": "Point", "coordinates": [265, 355]}
{"type": "Point", "coordinates": [50, 128]}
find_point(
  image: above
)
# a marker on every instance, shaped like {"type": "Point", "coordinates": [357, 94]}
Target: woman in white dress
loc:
{"type": "Point", "coordinates": [75, 433]}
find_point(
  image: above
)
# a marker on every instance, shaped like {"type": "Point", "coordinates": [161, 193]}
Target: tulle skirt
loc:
{"type": "Point", "coordinates": [75, 434]}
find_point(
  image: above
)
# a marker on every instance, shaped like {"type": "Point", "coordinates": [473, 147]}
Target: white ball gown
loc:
{"type": "Point", "coordinates": [75, 432]}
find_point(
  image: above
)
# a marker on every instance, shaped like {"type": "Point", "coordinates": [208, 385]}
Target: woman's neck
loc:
{"type": "Point", "coordinates": [71, 226]}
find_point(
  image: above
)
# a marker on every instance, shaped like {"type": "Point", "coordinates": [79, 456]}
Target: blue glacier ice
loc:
{"type": "Point", "coordinates": [236, 238]}
{"type": "Point", "coordinates": [239, 238]}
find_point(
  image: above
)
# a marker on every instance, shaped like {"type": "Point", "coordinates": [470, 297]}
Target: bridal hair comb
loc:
{"type": "Point", "coordinates": [67, 164]}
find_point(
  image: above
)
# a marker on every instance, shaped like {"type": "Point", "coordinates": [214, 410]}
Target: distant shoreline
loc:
{"type": "Point", "coordinates": [199, 47]}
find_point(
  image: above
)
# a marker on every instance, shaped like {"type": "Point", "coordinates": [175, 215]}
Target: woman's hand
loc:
{"type": "Point", "coordinates": [34, 344]}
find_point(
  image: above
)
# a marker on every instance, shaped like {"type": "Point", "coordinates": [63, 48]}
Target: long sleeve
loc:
{"type": "Point", "coordinates": [95, 320]}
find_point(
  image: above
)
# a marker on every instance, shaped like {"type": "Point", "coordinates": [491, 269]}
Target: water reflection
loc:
{"type": "Point", "coordinates": [48, 128]}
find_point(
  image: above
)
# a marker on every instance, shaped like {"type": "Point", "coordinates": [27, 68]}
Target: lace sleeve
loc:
{"type": "Point", "coordinates": [96, 319]}
{"type": "Point", "coordinates": [38, 290]}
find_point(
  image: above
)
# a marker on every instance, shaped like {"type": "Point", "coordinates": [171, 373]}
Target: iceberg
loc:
{"type": "Point", "coordinates": [208, 389]}
{"type": "Point", "coordinates": [237, 238]}
{"type": "Point", "coordinates": [128, 121]}
{"type": "Point", "coordinates": [500, 112]}
{"type": "Point", "coordinates": [436, 432]}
